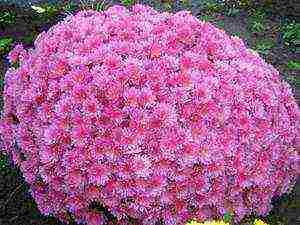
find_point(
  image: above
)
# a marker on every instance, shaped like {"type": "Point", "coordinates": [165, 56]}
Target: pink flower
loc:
{"type": "Point", "coordinates": [99, 174]}
{"type": "Point", "coordinates": [75, 179]}
{"type": "Point", "coordinates": [14, 54]}
{"type": "Point", "coordinates": [94, 218]}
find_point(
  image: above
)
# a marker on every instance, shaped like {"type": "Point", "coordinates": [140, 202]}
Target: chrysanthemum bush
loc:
{"type": "Point", "coordinates": [160, 118]}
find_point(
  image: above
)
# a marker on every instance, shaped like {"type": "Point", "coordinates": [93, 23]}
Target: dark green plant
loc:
{"type": "Point", "coordinates": [46, 11]}
{"type": "Point", "coordinates": [127, 2]}
{"type": "Point", "coordinates": [214, 6]}
{"type": "Point", "coordinates": [167, 6]}
{"type": "Point", "coordinates": [7, 18]}
{"type": "Point", "coordinates": [29, 39]}
{"type": "Point", "coordinates": [293, 80]}
{"type": "Point", "coordinates": [70, 7]}
{"type": "Point", "coordinates": [101, 5]}
{"type": "Point", "coordinates": [5, 44]}
{"type": "Point", "coordinates": [6, 168]}
{"type": "Point", "coordinates": [291, 33]}
{"type": "Point", "coordinates": [232, 12]}
{"type": "Point", "coordinates": [257, 27]}
{"type": "Point", "coordinates": [185, 3]}
{"type": "Point", "coordinates": [228, 218]}
{"type": "Point", "coordinates": [264, 46]}
{"type": "Point", "coordinates": [3, 161]}
{"type": "Point", "coordinates": [15, 65]}
{"type": "Point", "coordinates": [257, 21]}
{"type": "Point", "coordinates": [220, 24]}
{"type": "Point", "coordinates": [207, 18]}
{"type": "Point", "coordinates": [293, 65]}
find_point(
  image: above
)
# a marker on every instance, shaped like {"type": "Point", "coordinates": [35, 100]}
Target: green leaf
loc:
{"type": "Point", "coordinates": [7, 18]}
{"type": "Point", "coordinates": [227, 217]}
{"type": "Point", "coordinates": [291, 33]}
{"type": "Point", "coordinates": [5, 44]}
{"type": "Point", "coordinates": [38, 9]}
{"type": "Point", "coordinates": [70, 7]}
{"type": "Point", "coordinates": [257, 27]}
{"type": "Point", "coordinates": [232, 12]}
{"type": "Point", "coordinates": [3, 162]}
{"type": "Point", "coordinates": [264, 46]}
{"type": "Point", "coordinates": [293, 65]}
{"type": "Point", "coordinates": [127, 2]}
{"type": "Point", "coordinates": [207, 18]}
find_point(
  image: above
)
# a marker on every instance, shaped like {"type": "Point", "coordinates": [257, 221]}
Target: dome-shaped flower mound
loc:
{"type": "Point", "coordinates": [158, 117]}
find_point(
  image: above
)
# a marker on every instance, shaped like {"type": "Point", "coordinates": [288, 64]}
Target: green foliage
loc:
{"type": "Point", "coordinates": [237, 33]}
{"type": "Point", "coordinates": [291, 33]}
{"type": "Point", "coordinates": [70, 7]}
{"type": "Point", "coordinates": [29, 39]}
{"type": "Point", "coordinates": [3, 162]}
{"type": "Point", "coordinates": [46, 11]}
{"type": "Point", "coordinates": [257, 27]}
{"type": "Point", "coordinates": [100, 5]}
{"type": "Point", "coordinates": [207, 18]}
{"type": "Point", "coordinates": [244, 3]}
{"type": "Point", "coordinates": [286, 202]}
{"type": "Point", "coordinates": [293, 65]}
{"type": "Point", "coordinates": [15, 65]}
{"type": "Point", "coordinates": [127, 2]}
{"type": "Point", "coordinates": [227, 217]}
{"type": "Point", "coordinates": [220, 24]}
{"type": "Point", "coordinates": [257, 21]}
{"type": "Point", "coordinates": [5, 167]}
{"type": "Point", "coordinates": [7, 18]}
{"type": "Point", "coordinates": [185, 3]}
{"type": "Point", "coordinates": [293, 80]}
{"type": "Point", "coordinates": [248, 220]}
{"type": "Point", "coordinates": [167, 6]}
{"type": "Point", "coordinates": [213, 6]}
{"type": "Point", "coordinates": [232, 12]}
{"type": "Point", "coordinates": [263, 46]}
{"type": "Point", "coordinates": [5, 44]}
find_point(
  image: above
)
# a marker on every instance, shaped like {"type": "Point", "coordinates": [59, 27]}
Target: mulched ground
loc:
{"type": "Point", "coordinates": [16, 205]}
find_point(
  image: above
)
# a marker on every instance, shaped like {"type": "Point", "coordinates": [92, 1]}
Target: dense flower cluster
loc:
{"type": "Point", "coordinates": [158, 117]}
